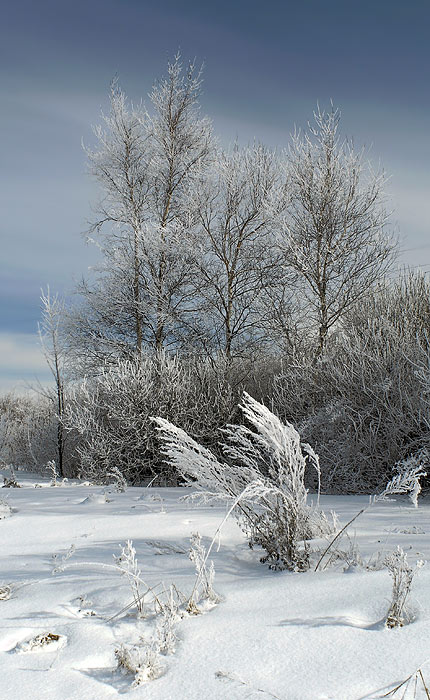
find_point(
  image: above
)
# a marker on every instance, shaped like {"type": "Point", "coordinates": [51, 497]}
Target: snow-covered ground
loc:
{"type": "Point", "coordinates": [314, 635]}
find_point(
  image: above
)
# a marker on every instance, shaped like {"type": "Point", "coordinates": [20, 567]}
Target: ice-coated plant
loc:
{"type": "Point", "coordinates": [119, 482]}
{"type": "Point", "coordinates": [402, 574]}
{"type": "Point", "coordinates": [128, 565]}
{"type": "Point", "coordinates": [143, 658]}
{"type": "Point", "coordinates": [412, 682]}
{"type": "Point", "coordinates": [240, 683]}
{"type": "Point", "coordinates": [165, 632]}
{"type": "Point", "coordinates": [10, 482]}
{"type": "Point", "coordinates": [5, 509]}
{"type": "Point", "coordinates": [413, 469]}
{"type": "Point", "coordinates": [205, 574]}
{"type": "Point", "coordinates": [5, 592]}
{"type": "Point", "coordinates": [263, 476]}
{"type": "Point", "coordinates": [51, 468]}
{"type": "Point", "coordinates": [60, 561]}
{"type": "Point", "coordinates": [142, 661]}
{"type": "Point", "coordinates": [156, 498]}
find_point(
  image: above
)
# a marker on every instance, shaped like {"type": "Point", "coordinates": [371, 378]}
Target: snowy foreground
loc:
{"type": "Point", "coordinates": [272, 635]}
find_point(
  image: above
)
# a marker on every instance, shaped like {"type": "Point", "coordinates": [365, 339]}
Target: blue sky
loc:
{"type": "Point", "coordinates": [266, 66]}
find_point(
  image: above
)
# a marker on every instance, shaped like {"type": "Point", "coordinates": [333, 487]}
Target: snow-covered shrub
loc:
{"type": "Point", "coordinates": [402, 574]}
{"type": "Point", "coordinates": [409, 471]}
{"type": "Point", "coordinates": [27, 431]}
{"type": "Point", "coordinates": [364, 405]}
{"type": "Point", "coordinates": [111, 413]}
{"type": "Point", "coordinates": [262, 477]}
{"type": "Point", "coordinates": [406, 480]}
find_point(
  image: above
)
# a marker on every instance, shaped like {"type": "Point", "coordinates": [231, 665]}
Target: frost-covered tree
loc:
{"type": "Point", "coordinates": [121, 164]}
{"type": "Point", "coordinates": [233, 205]}
{"type": "Point", "coordinates": [53, 350]}
{"type": "Point", "coordinates": [334, 234]}
{"type": "Point", "coordinates": [144, 161]}
{"type": "Point", "coordinates": [261, 477]}
{"type": "Point", "coordinates": [182, 145]}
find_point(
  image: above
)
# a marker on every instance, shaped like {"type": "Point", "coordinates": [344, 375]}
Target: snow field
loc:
{"type": "Point", "coordinates": [304, 636]}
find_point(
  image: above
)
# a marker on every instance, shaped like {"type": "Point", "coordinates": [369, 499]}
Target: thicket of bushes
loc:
{"type": "Point", "coordinates": [363, 406]}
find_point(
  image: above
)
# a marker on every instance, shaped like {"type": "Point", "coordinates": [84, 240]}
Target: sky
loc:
{"type": "Point", "coordinates": [266, 67]}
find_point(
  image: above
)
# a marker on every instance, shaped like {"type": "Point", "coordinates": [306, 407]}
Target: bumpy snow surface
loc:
{"type": "Point", "coordinates": [314, 635]}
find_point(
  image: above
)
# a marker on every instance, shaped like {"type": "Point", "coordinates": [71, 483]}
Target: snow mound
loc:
{"type": "Point", "coordinates": [94, 498]}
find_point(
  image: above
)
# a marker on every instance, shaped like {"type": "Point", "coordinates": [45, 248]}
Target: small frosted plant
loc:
{"type": "Point", "coordinates": [60, 562]}
{"type": "Point", "coordinates": [120, 483]}
{"type": "Point", "coordinates": [140, 661]}
{"type": "Point", "coordinates": [156, 498]}
{"type": "Point", "coordinates": [413, 467]}
{"type": "Point", "coordinates": [350, 556]}
{"type": "Point", "coordinates": [402, 574]}
{"type": "Point", "coordinates": [239, 682]}
{"type": "Point", "coordinates": [41, 641]}
{"type": "Point", "coordinates": [11, 482]}
{"type": "Point", "coordinates": [5, 592]}
{"type": "Point", "coordinates": [165, 633]}
{"type": "Point", "coordinates": [128, 565]}
{"type": "Point", "coordinates": [5, 510]}
{"type": "Point", "coordinates": [51, 468]}
{"type": "Point", "coordinates": [205, 575]}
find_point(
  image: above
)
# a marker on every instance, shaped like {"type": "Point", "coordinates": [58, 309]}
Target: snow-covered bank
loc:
{"type": "Point", "coordinates": [274, 634]}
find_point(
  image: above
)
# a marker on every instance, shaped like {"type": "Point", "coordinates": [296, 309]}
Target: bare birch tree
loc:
{"type": "Point", "coordinates": [181, 149]}
{"type": "Point", "coordinates": [120, 164]}
{"type": "Point", "coordinates": [335, 232]}
{"type": "Point", "coordinates": [53, 350]}
{"type": "Point", "coordinates": [144, 162]}
{"type": "Point", "coordinates": [234, 245]}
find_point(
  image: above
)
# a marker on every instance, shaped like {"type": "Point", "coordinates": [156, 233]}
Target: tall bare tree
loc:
{"type": "Point", "coordinates": [234, 211]}
{"type": "Point", "coordinates": [144, 161]}
{"type": "Point", "coordinates": [53, 350]}
{"type": "Point", "coordinates": [182, 147]}
{"type": "Point", "coordinates": [120, 164]}
{"type": "Point", "coordinates": [335, 233]}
